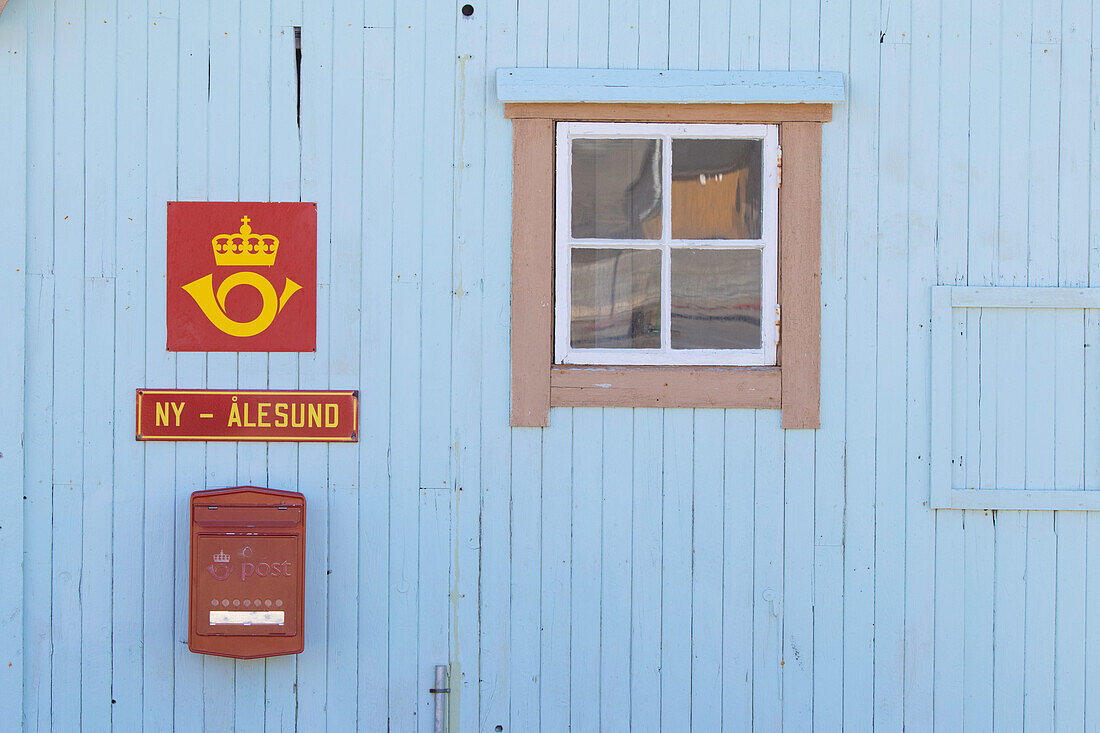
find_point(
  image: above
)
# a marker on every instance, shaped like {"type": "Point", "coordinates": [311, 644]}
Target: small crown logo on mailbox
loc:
{"type": "Point", "coordinates": [221, 557]}
{"type": "Point", "coordinates": [245, 248]}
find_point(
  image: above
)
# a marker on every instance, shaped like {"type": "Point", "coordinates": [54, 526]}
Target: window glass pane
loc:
{"type": "Point", "coordinates": [616, 296]}
{"type": "Point", "coordinates": [716, 299]}
{"type": "Point", "coordinates": [616, 189]}
{"type": "Point", "coordinates": [716, 189]}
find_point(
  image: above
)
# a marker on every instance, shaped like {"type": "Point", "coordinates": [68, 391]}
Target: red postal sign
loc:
{"type": "Point", "coordinates": [242, 276]}
{"type": "Point", "coordinates": [268, 415]}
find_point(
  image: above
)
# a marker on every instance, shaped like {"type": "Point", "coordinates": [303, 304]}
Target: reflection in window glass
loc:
{"type": "Point", "coordinates": [716, 189]}
{"type": "Point", "coordinates": [616, 299]}
{"type": "Point", "coordinates": [716, 299]}
{"type": "Point", "coordinates": [616, 189]}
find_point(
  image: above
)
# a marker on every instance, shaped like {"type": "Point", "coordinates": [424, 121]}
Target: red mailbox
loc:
{"type": "Point", "coordinates": [247, 587]}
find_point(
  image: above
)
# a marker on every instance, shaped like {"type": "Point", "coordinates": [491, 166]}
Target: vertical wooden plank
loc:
{"type": "Point", "coordinates": [953, 159]}
{"type": "Point", "coordinates": [532, 254]}
{"type": "Point", "coordinates": [859, 557]}
{"type": "Point", "coordinates": [806, 33]}
{"type": "Point", "coordinates": [473, 586]}
{"type": "Point", "coordinates": [100, 81]}
{"type": "Point", "coordinates": [653, 34]}
{"type": "Point", "coordinates": [617, 512]}
{"type": "Point", "coordinates": [1010, 528]}
{"type": "Point", "coordinates": [284, 159]}
{"type": "Point", "coordinates": [374, 361]}
{"type": "Point", "coordinates": [798, 572]}
{"type": "Point", "coordinates": [978, 558]}
{"type": "Point", "coordinates": [623, 34]}
{"type": "Point", "coordinates": [768, 565]}
{"type": "Point", "coordinates": [1070, 679]}
{"type": "Point", "coordinates": [800, 262]}
{"type": "Point", "coordinates": [36, 548]}
{"type": "Point", "coordinates": [411, 119]}
{"type": "Point", "coordinates": [1092, 629]}
{"type": "Point", "coordinates": [525, 549]}
{"type": "Point", "coordinates": [646, 571]}
{"type": "Point", "coordinates": [829, 441]}
{"type": "Point", "coordinates": [95, 543]}
{"type": "Point", "coordinates": [738, 592]}
{"type": "Point", "coordinates": [978, 593]}
{"type": "Point", "coordinates": [585, 568]}
{"type": "Point", "coordinates": [1092, 407]}
{"type": "Point", "coordinates": [714, 34]}
{"type": "Point", "coordinates": [68, 378]}
{"type": "Point", "coordinates": [683, 36]}
{"type": "Point", "coordinates": [469, 379]}
{"type": "Point", "coordinates": [345, 244]}
{"type": "Point", "coordinates": [982, 222]}
{"type": "Point", "coordinates": [500, 507]}
{"type": "Point", "coordinates": [36, 674]}
{"type": "Point", "coordinates": [676, 570]}
{"type": "Point", "coordinates": [775, 34]}
{"type": "Point", "coordinates": [436, 455]}
{"type": "Point", "coordinates": [435, 535]}
{"type": "Point", "coordinates": [1069, 454]}
{"type": "Point", "coordinates": [948, 433]}
{"type": "Point", "coordinates": [129, 214]}
{"type": "Point", "coordinates": [555, 598]}
{"type": "Point", "coordinates": [707, 489]}
{"type": "Point", "coordinates": [920, 521]}
{"type": "Point", "coordinates": [593, 35]}
{"type": "Point", "coordinates": [1012, 244]}
{"type": "Point", "coordinates": [13, 292]}
{"type": "Point", "coordinates": [313, 478]}
{"type": "Point", "coordinates": [1069, 381]}
{"type": "Point", "coordinates": [744, 51]}
{"type": "Point", "coordinates": [1041, 553]}
{"type": "Point", "coordinates": [170, 178]}
{"type": "Point", "coordinates": [532, 38]}
{"type": "Point", "coordinates": [1039, 628]}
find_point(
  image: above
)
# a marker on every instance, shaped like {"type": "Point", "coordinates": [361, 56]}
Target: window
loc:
{"type": "Point", "coordinates": [666, 245]}
{"type": "Point", "coordinates": [620, 297]}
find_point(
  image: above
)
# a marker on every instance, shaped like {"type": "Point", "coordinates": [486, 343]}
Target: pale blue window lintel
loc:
{"type": "Point", "coordinates": [669, 86]}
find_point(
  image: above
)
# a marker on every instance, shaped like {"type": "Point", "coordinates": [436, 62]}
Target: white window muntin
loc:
{"type": "Point", "coordinates": [564, 353]}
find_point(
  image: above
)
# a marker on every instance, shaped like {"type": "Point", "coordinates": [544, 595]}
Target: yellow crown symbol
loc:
{"type": "Point", "coordinates": [245, 248]}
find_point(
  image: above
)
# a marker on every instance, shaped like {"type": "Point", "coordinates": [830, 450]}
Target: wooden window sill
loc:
{"type": "Point", "coordinates": [677, 386]}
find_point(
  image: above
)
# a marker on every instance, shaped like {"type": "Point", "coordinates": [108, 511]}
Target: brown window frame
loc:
{"type": "Point", "coordinates": [793, 385]}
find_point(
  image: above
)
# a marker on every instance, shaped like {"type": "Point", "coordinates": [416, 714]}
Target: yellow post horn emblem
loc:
{"type": "Point", "coordinates": [242, 248]}
{"type": "Point", "coordinates": [213, 306]}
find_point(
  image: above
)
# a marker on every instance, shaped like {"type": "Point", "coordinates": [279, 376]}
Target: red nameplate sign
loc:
{"type": "Point", "coordinates": [180, 414]}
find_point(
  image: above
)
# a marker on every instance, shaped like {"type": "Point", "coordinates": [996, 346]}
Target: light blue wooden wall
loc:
{"type": "Point", "coordinates": [672, 569]}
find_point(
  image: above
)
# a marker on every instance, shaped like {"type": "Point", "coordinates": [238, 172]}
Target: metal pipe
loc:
{"type": "Point", "coordinates": [440, 702]}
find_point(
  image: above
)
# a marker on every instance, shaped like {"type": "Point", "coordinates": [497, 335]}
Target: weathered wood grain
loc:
{"type": "Point", "coordinates": [627, 112]}
{"type": "Point", "coordinates": [663, 387]}
{"type": "Point", "coordinates": [532, 270]}
{"type": "Point", "coordinates": [800, 271]}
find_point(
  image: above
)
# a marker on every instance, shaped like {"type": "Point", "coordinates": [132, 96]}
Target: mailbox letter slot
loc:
{"type": "Point", "coordinates": [247, 585]}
